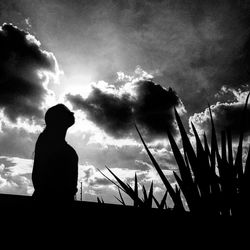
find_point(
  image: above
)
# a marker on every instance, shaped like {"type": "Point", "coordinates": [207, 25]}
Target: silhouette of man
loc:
{"type": "Point", "coordinates": [55, 168]}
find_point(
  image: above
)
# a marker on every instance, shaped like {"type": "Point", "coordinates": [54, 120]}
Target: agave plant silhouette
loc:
{"type": "Point", "coordinates": [211, 181]}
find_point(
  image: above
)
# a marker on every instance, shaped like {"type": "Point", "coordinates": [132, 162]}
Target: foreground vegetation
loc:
{"type": "Point", "coordinates": [213, 178]}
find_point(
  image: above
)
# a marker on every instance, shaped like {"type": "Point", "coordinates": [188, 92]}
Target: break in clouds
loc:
{"type": "Point", "coordinates": [117, 109]}
{"type": "Point", "coordinates": [196, 46]}
{"type": "Point", "coordinates": [24, 70]}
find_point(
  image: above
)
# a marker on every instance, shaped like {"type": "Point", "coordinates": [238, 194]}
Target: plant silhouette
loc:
{"type": "Point", "coordinates": [55, 168]}
{"type": "Point", "coordinates": [212, 180]}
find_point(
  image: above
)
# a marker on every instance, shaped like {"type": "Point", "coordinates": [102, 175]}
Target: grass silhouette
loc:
{"type": "Point", "coordinates": [211, 180]}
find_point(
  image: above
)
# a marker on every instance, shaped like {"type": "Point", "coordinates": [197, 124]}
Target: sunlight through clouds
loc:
{"type": "Point", "coordinates": [116, 64]}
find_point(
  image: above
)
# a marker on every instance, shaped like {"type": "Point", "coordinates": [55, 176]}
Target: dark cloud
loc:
{"type": "Point", "coordinates": [197, 46]}
{"type": "Point", "coordinates": [151, 107]}
{"type": "Point", "coordinates": [109, 111]}
{"type": "Point", "coordinates": [22, 92]}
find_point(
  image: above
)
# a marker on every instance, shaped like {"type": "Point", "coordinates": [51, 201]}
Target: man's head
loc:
{"type": "Point", "coordinates": [59, 116]}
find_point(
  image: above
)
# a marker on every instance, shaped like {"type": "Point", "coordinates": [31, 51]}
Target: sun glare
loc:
{"type": "Point", "coordinates": [78, 84]}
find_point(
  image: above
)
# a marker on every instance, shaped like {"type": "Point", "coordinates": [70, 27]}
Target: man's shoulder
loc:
{"type": "Point", "coordinates": [71, 150]}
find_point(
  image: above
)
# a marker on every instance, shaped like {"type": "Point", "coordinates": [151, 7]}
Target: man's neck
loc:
{"type": "Point", "coordinates": [57, 134]}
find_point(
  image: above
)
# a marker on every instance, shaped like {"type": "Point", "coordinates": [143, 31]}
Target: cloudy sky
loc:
{"type": "Point", "coordinates": [117, 63]}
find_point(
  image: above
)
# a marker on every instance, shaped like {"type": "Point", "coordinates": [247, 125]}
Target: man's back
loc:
{"type": "Point", "coordinates": [55, 169]}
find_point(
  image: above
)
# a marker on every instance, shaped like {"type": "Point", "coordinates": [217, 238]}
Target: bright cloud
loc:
{"type": "Point", "coordinates": [226, 115]}
{"type": "Point", "coordinates": [15, 176]}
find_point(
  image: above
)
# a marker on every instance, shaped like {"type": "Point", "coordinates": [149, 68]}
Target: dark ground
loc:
{"type": "Point", "coordinates": [105, 223]}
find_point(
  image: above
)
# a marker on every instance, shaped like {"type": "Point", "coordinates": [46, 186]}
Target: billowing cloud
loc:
{"type": "Point", "coordinates": [24, 71]}
{"type": "Point", "coordinates": [115, 110]}
{"type": "Point", "coordinates": [195, 46]}
{"type": "Point", "coordinates": [226, 115]}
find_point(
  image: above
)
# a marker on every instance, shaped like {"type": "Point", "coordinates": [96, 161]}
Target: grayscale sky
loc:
{"type": "Point", "coordinates": [115, 63]}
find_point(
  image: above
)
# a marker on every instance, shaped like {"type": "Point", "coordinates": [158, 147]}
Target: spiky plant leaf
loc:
{"type": "Point", "coordinates": [161, 205]}
{"type": "Point", "coordinates": [203, 162]}
{"type": "Point", "coordinates": [125, 188]}
{"type": "Point", "coordinates": [184, 170]}
{"type": "Point", "coordinates": [187, 146]}
{"type": "Point", "coordinates": [100, 200]}
{"type": "Point", "coordinates": [150, 196]}
{"type": "Point", "coordinates": [136, 191]}
{"type": "Point", "coordinates": [223, 146]}
{"type": "Point", "coordinates": [238, 160]}
{"type": "Point", "coordinates": [199, 147]}
{"type": "Point", "coordinates": [121, 200]}
{"type": "Point", "coordinates": [188, 196]}
{"type": "Point", "coordinates": [214, 143]}
{"type": "Point", "coordinates": [247, 167]}
{"type": "Point", "coordinates": [156, 202]}
{"type": "Point", "coordinates": [144, 194]}
{"type": "Point", "coordinates": [177, 201]}
{"type": "Point", "coordinates": [191, 192]}
{"type": "Point", "coordinates": [164, 201]}
{"type": "Point", "coordinates": [119, 187]}
{"type": "Point", "coordinates": [229, 147]}
{"type": "Point", "coordinates": [206, 147]}
{"type": "Point", "coordinates": [246, 186]}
